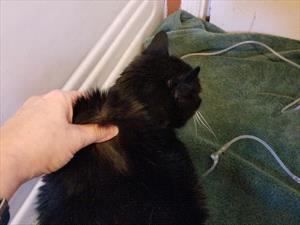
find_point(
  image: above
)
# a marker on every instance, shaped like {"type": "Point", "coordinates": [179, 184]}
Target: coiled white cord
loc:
{"type": "Point", "coordinates": [216, 155]}
{"type": "Point", "coordinates": [239, 44]}
{"type": "Point", "coordinates": [287, 108]}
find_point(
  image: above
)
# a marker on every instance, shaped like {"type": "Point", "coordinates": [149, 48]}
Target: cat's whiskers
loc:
{"type": "Point", "coordinates": [199, 122]}
{"type": "Point", "coordinates": [195, 125]}
{"type": "Point", "coordinates": [203, 121]}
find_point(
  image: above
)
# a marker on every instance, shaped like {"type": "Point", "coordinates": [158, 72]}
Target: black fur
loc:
{"type": "Point", "coordinates": [144, 176]}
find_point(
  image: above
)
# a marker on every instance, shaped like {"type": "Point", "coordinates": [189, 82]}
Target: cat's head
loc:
{"type": "Point", "coordinates": [165, 87]}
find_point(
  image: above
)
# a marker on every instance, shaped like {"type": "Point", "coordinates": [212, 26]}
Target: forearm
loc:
{"type": "Point", "coordinates": [11, 173]}
{"type": "Point", "coordinates": [10, 181]}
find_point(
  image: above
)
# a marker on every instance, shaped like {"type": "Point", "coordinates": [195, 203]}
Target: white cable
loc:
{"type": "Point", "coordinates": [286, 108]}
{"type": "Point", "coordinates": [289, 108]}
{"type": "Point", "coordinates": [239, 44]}
{"type": "Point", "coordinates": [215, 156]}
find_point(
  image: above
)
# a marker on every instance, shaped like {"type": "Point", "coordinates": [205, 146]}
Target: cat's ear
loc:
{"type": "Point", "coordinates": [182, 88]}
{"type": "Point", "coordinates": [191, 76]}
{"type": "Point", "coordinates": [159, 45]}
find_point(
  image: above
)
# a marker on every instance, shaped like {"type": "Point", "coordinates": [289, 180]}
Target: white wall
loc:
{"type": "Point", "coordinates": [198, 8]}
{"type": "Point", "coordinates": [277, 17]}
{"type": "Point", "coordinates": [42, 43]}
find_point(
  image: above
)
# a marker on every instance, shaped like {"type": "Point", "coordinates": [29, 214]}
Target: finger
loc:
{"type": "Point", "coordinates": [68, 96]}
{"type": "Point", "coordinates": [72, 96]}
{"type": "Point", "coordinates": [91, 133]}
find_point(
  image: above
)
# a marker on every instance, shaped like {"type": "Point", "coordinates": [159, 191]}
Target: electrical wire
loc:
{"type": "Point", "coordinates": [289, 108]}
{"type": "Point", "coordinates": [286, 108]}
{"type": "Point", "coordinates": [239, 44]}
{"type": "Point", "coordinates": [216, 155]}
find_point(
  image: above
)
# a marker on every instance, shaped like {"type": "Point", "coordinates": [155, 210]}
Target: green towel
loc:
{"type": "Point", "coordinates": [243, 93]}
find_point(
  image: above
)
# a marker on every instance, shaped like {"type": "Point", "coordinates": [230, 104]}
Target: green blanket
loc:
{"type": "Point", "coordinates": [243, 93]}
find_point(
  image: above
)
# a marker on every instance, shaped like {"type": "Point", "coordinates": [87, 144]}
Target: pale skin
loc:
{"type": "Point", "coordinates": [40, 138]}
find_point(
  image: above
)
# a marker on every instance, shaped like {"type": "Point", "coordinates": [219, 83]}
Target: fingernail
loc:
{"type": "Point", "coordinates": [109, 133]}
{"type": "Point", "coordinates": [113, 130]}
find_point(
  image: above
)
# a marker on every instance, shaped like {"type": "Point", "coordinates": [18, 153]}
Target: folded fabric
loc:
{"type": "Point", "coordinates": [243, 92]}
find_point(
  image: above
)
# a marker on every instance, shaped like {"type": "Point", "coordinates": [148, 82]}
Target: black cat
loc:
{"type": "Point", "coordinates": [144, 176]}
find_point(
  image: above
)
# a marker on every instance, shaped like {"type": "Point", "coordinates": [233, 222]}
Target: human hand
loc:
{"type": "Point", "coordinates": [41, 139]}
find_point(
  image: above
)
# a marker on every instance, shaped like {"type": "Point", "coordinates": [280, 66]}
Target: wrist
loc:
{"type": "Point", "coordinates": [10, 179]}
{"type": "Point", "coordinates": [11, 172]}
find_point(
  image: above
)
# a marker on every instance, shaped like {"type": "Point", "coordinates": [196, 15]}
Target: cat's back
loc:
{"type": "Point", "coordinates": [140, 177]}
{"type": "Point", "coordinates": [145, 174]}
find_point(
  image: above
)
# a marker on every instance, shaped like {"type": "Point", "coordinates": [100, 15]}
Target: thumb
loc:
{"type": "Point", "coordinates": [90, 133]}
